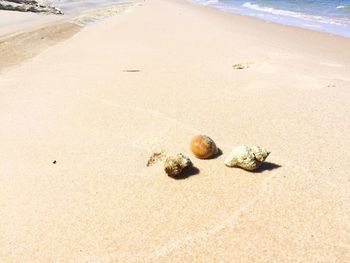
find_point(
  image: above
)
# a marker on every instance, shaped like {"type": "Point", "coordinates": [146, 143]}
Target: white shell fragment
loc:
{"type": "Point", "coordinates": [174, 165]}
{"type": "Point", "coordinates": [248, 158]}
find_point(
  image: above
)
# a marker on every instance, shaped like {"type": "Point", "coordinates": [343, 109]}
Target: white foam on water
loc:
{"type": "Point", "coordinates": [322, 19]}
{"type": "Point", "coordinates": [308, 17]}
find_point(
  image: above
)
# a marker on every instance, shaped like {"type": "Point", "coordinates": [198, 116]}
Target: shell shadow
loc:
{"type": "Point", "coordinates": [217, 155]}
{"type": "Point", "coordinates": [187, 172]}
{"type": "Point", "coordinates": [132, 70]}
{"type": "Point", "coordinates": [267, 166]}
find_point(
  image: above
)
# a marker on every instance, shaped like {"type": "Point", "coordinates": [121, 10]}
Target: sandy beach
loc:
{"type": "Point", "coordinates": [80, 117]}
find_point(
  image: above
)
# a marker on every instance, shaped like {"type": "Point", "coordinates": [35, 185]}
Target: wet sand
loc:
{"type": "Point", "coordinates": [25, 45]}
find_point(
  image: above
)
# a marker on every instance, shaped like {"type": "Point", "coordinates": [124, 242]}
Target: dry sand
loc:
{"type": "Point", "coordinates": [74, 103]}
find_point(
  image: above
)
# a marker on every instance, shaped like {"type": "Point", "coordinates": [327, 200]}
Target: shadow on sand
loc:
{"type": "Point", "coordinates": [187, 172]}
{"type": "Point", "coordinates": [266, 166]}
{"type": "Point", "coordinates": [217, 155]}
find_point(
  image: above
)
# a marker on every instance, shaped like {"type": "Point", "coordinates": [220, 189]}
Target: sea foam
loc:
{"type": "Point", "coordinates": [304, 16]}
{"type": "Point", "coordinates": [321, 15]}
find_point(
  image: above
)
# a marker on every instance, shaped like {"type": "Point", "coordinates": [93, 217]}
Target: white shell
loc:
{"type": "Point", "coordinates": [248, 158]}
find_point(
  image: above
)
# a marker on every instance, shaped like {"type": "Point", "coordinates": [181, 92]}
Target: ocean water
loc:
{"type": "Point", "coordinates": [331, 16]}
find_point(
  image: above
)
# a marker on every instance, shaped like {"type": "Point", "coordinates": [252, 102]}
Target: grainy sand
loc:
{"type": "Point", "coordinates": [11, 21]}
{"type": "Point", "coordinates": [21, 46]}
{"type": "Point", "coordinates": [76, 103]}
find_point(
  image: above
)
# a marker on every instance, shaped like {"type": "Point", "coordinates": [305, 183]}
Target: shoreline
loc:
{"type": "Point", "coordinates": [21, 46]}
{"type": "Point", "coordinates": [282, 32]}
{"type": "Point", "coordinates": [76, 23]}
{"type": "Point", "coordinates": [280, 21]}
{"type": "Point", "coordinates": [81, 118]}
{"type": "Point", "coordinates": [20, 22]}
{"type": "Point", "coordinates": [260, 20]}
{"type": "Point", "coordinates": [26, 41]}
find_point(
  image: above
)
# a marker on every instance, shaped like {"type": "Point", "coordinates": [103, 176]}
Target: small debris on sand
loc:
{"type": "Point", "coordinates": [241, 66]}
{"type": "Point", "coordinates": [132, 70]}
{"type": "Point", "coordinates": [156, 157]}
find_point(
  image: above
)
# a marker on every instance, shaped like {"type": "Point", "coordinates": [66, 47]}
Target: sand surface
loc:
{"type": "Point", "coordinates": [11, 21]}
{"type": "Point", "coordinates": [76, 104]}
{"type": "Point", "coordinates": [21, 46]}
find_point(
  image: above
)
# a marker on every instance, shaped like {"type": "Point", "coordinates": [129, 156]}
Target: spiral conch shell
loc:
{"type": "Point", "coordinates": [203, 147]}
{"type": "Point", "coordinates": [248, 158]}
{"type": "Point", "coordinates": [174, 165]}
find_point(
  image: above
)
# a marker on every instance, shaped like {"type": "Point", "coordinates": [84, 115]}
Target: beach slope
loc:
{"type": "Point", "coordinates": [79, 121]}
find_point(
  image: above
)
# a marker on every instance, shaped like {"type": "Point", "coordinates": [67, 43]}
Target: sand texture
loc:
{"type": "Point", "coordinates": [12, 22]}
{"type": "Point", "coordinates": [22, 46]}
{"type": "Point", "coordinates": [80, 120]}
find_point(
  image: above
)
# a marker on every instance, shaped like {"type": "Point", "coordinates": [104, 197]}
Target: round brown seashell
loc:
{"type": "Point", "coordinates": [203, 147]}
